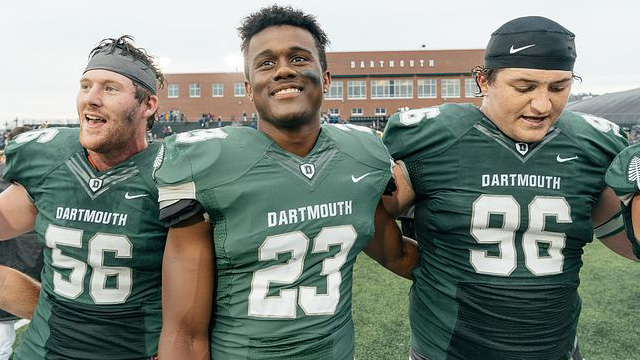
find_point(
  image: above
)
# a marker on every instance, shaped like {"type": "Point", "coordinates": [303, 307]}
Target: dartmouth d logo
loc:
{"type": "Point", "coordinates": [308, 170]}
{"type": "Point", "coordinates": [95, 184]}
{"type": "Point", "coordinates": [522, 148]}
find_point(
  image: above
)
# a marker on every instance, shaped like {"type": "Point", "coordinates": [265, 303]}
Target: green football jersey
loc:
{"type": "Point", "coordinates": [286, 230]}
{"type": "Point", "coordinates": [103, 240]}
{"type": "Point", "coordinates": [623, 176]}
{"type": "Point", "coordinates": [501, 227]}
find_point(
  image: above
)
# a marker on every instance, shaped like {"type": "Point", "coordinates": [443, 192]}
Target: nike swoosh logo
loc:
{"type": "Point", "coordinates": [515, 50]}
{"type": "Point", "coordinates": [357, 179]}
{"type": "Point", "coordinates": [129, 197]}
{"type": "Point", "coordinates": [561, 160]}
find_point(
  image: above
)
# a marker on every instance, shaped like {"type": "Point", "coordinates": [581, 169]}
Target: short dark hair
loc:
{"type": "Point", "coordinates": [125, 45]}
{"type": "Point", "coordinates": [17, 131]}
{"type": "Point", "coordinates": [492, 74]}
{"type": "Point", "coordinates": [276, 15]}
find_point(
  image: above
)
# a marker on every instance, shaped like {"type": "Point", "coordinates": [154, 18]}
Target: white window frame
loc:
{"type": "Point", "coordinates": [173, 91]}
{"type": "Point", "coordinates": [239, 90]}
{"type": "Point", "coordinates": [392, 89]}
{"type": "Point", "coordinates": [336, 91]}
{"type": "Point", "coordinates": [427, 84]}
{"type": "Point", "coordinates": [194, 90]}
{"type": "Point", "coordinates": [450, 88]}
{"type": "Point", "coordinates": [357, 112]}
{"type": "Point", "coordinates": [381, 112]}
{"type": "Point", "coordinates": [360, 86]}
{"type": "Point", "coordinates": [471, 89]}
{"type": "Point", "coordinates": [213, 90]}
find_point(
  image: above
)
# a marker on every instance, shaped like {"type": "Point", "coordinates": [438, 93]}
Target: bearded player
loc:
{"type": "Point", "coordinates": [90, 197]}
{"type": "Point", "coordinates": [506, 196]}
{"type": "Point", "coordinates": [289, 207]}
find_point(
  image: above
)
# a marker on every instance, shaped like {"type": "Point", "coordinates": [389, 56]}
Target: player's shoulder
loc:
{"type": "Point", "coordinates": [623, 175]}
{"type": "Point", "coordinates": [600, 138]}
{"type": "Point", "coordinates": [219, 155]}
{"type": "Point", "coordinates": [428, 131]}
{"type": "Point", "coordinates": [53, 141]}
{"type": "Point", "coordinates": [32, 154]}
{"type": "Point", "coordinates": [360, 143]}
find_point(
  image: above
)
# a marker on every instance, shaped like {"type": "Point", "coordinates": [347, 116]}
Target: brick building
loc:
{"type": "Point", "coordinates": [365, 86]}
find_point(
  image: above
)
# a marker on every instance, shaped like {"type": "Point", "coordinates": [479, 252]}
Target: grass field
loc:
{"type": "Point", "coordinates": [609, 327]}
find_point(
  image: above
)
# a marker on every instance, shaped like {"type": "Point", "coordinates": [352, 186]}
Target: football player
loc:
{"type": "Point", "coordinates": [288, 208]}
{"type": "Point", "coordinates": [90, 197]}
{"type": "Point", "coordinates": [506, 196]}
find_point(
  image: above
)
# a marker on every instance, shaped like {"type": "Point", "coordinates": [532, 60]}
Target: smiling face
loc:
{"type": "Point", "coordinates": [525, 103]}
{"type": "Point", "coordinates": [111, 118]}
{"type": "Point", "coordinates": [286, 80]}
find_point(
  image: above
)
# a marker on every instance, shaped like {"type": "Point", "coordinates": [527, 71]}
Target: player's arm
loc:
{"type": "Point", "coordinates": [401, 199]}
{"type": "Point", "coordinates": [17, 212]}
{"type": "Point", "coordinates": [18, 292]}
{"type": "Point", "coordinates": [389, 248]}
{"type": "Point", "coordinates": [188, 273]}
{"type": "Point", "coordinates": [608, 224]}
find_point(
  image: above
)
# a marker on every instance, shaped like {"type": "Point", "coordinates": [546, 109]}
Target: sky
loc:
{"type": "Point", "coordinates": [46, 43]}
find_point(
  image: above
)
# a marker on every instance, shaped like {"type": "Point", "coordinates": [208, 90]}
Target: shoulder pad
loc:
{"type": "Point", "coordinates": [601, 139]}
{"type": "Point", "coordinates": [623, 175]}
{"type": "Point", "coordinates": [360, 143]}
{"type": "Point", "coordinates": [207, 157]}
{"type": "Point", "coordinates": [428, 131]}
{"type": "Point", "coordinates": [33, 154]}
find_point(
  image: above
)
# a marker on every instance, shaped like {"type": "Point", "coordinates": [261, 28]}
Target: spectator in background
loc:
{"type": "Point", "coordinates": [23, 253]}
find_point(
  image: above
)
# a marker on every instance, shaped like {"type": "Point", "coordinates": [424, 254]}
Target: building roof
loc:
{"type": "Point", "coordinates": [622, 107]}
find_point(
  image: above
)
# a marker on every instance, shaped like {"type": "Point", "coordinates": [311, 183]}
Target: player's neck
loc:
{"type": "Point", "coordinates": [298, 141]}
{"type": "Point", "coordinates": [105, 161]}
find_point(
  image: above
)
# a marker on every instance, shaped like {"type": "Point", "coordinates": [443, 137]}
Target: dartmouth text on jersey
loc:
{"type": "Point", "coordinates": [309, 212]}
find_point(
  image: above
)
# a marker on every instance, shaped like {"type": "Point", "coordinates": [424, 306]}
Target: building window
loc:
{"type": "Point", "coordinates": [174, 90]}
{"type": "Point", "coordinates": [217, 90]}
{"type": "Point", "coordinates": [450, 88]}
{"type": "Point", "coordinates": [471, 89]}
{"type": "Point", "coordinates": [357, 89]}
{"type": "Point", "coordinates": [335, 91]}
{"type": "Point", "coordinates": [238, 90]}
{"type": "Point", "coordinates": [334, 112]}
{"type": "Point", "coordinates": [381, 112]}
{"type": "Point", "coordinates": [392, 89]}
{"type": "Point", "coordinates": [356, 112]}
{"type": "Point", "coordinates": [194, 90]}
{"type": "Point", "coordinates": [353, 64]}
{"type": "Point", "coordinates": [427, 88]}
{"type": "Point", "coordinates": [432, 63]}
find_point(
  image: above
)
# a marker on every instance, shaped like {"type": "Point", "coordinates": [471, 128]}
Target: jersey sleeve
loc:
{"type": "Point", "coordinates": [200, 159]}
{"type": "Point", "coordinates": [427, 132]}
{"type": "Point", "coordinates": [602, 138]}
{"type": "Point", "coordinates": [33, 154]}
{"type": "Point", "coordinates": [362, 144]}
{"type": "Point", "coordinates": [623, 175]}
{"type": "Point", "coordinates": [173, 173]}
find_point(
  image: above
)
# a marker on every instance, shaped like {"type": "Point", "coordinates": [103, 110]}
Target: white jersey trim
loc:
{"type": "Point", "coordinates": [170, 194]}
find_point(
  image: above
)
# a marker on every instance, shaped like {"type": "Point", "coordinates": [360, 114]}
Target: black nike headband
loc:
{"type": "Point", "coordinates": [531, 42]}
{"type": "Point", "coordinates": [125, 65]}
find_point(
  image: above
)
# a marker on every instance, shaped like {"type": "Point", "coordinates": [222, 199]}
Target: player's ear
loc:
{"type": "Point", "coordinates": [326, 81]}
{"type": "Point", "coordinates": [248, 89]}
{"type": "Point", "coordinates": [483, 83]}
{"type": "Point", "coordinates": [151, 106]}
